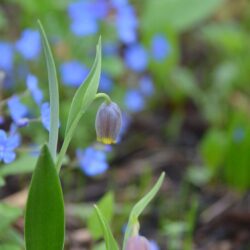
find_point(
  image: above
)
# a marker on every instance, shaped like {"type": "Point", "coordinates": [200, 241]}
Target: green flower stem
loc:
{"type": "Point", "coordinates": [66, 142]}
{"type": "Point", "coordinates": [105, 96]}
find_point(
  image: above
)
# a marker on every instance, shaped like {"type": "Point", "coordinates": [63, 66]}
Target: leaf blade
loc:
{"type": "Point", "coordinates": [83, 97]}
{"type": "Point", "coordinates": [44, 219]}
{"type": "Point", "coordinates": [139, 207]}
{"type": "Point", "coordinates": [53, 92]}
{"type": "Point", "coordinates": [108, 236]}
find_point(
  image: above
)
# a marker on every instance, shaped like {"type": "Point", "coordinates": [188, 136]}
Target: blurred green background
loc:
{"type": "Point", "coordinates": [180, 71]}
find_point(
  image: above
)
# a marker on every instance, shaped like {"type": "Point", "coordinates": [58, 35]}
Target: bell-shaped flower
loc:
{"type": "Point", "coordinates": [108, 123]}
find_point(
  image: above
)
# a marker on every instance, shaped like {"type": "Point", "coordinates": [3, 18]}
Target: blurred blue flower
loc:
{"type": "Point", "coordinates": [134, 100]}
{"type": "Point", "coordinates": [17, 109]}
{"type": "Point", "coordinates": [136, 57]}
{"type": "Point", "coordinates": [29, 44]}
{"type": "Point", "coordinates": [238, 134]}
{"type": "Point", "coordinates": [7, 146]}
{"type": "Point", "coordinates": [32, 85]}
{"type": "Point", "coordinates": [126, 22]}
{"type": "Point", "coordinates": [153, 245]}
{"type": "Point", "coordinates": [106, 83]}
{"type": "Point", "coordinates": [160, 47]}
{"type": "Point", "coordinates": [92, 161]}
{"type": "Point", "coordinates": [6, 58]}
{"type": "Point", "coordinates": [126, 120]}
{"type": "Point", "coordinates": [45, 115]}
{"type": "Point", "coordinates": [110, 49]}
{"type": "Point", "coordinates": [73, 73]}
{"type": "Point", "coordinates": [84, 16]}
{"type": "Point", "coordinates": [146, 86]}
{"type": "Point", "coordinates": [119, 3]}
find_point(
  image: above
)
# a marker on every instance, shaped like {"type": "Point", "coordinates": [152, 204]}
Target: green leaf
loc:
{"type": "Point", "coordinates": [179, 14]}
{"type": "Point", "coordinates": [2, 181]}
{"type": "Point", "coordinates": [139, 207]}
{"type": "Point", "coordinates": [54, 93]}
{"type": "Point", "coordinates": [110, 241]}
{"type": "Point", "coordinates": [8, 214]}
{"type": "Point", "coordinates": [44, 220]}
{"type": "Point", "coordinates": [84, 96]}
{"type": "Point", "coordinates": [24, 164]}
{"type": "Point", "coordinates": [9, 247]}
{"type": "Point", "coordinates": [106, 205]}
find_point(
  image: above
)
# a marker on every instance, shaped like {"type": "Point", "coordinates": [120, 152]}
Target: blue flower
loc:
{"type": "Point", "coordinates": [6, 58]}
{"type": "Point", "coordinates": [32, 85]}
{"type": "Point", "coordinates": [106, 83]}
{"type": "Point", "coordinates": [136, 58]}
{"type": "Point", "coordinates": [239, 134]}
{"type": "Point", "coordinates": [153, 245]}
{"type": "Point", "coordinates": [126, 23]}
{"type": "Point", "coordinates": [160, 47]}
{"type": "Point", "coordinates": [84, 16]}
{"type": "Point", "coordinates": [45, 115]}
{"type": "Point", "coordinates": [126, 120]}
{"type": "Point", "coordinates": [73, 73]}
{"type": "Point", "coordinates": [92, 161]}
{"type": "Point", "coordinates": [7, 146]}
{"type": "Point", "coordinates": [134, 100]}
{"type": "Point", "coordinates": [146, 86]}
{"type": "Point", "coordinates": [17, 109]}
{"type": "Point", "coordinates": [29, 44]}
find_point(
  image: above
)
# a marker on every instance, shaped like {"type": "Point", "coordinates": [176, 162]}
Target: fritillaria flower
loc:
{"type": "Point", "coordinates": [108, 123]}
{"type": "Point", "coordinates": [138, 243]}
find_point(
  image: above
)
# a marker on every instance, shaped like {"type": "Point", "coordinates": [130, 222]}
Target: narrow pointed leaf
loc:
{"type": "Point", "coordinates": [139, 207]}
{"type": "Point", "coordinates": [84, 95]}
{"type": "Point", "coordinates": [53, 91]}
{"type": "Point", "coordinates": [44, 219]}
{"type": "Point", "coordinates": [107, 233]}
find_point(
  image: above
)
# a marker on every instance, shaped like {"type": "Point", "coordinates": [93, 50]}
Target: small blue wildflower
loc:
{"type": "Point", "coordinates": [146, 86]}
{"type": "Point", "coordinates": [160, 47]}
{"type": "Point", "coordinates": [238, 134]}
{"type": "Point", "coordinates": [45, 115]}
{"type": "Point", "coordinates": [73, 73]}
{"type": "Point", "coordinates": [92, 161]}
{"type": "Point", "coordinates": [110, 49]}
{"type": "Point", "coordinates": [119, 3]}
{"type": "Point", "coordinates": [153, 245]}
{"type": "Point", "coordinates": [7, 146]}
{"type": "Point", "coordinates": [136, 58]}
{"type": "Point", "coordinates": [126, 23]}
{"type": "Point", "coordinates": [134, 100]}
{"type": "Point", "coordinates": [83, 19]}
{"type": "Point", "coordinates": [32, 85]}
{"type": "Point", "coordinates": [126, 121]}
{"type": "Point", "coordinates": [106, 83]}
{"type": "Point", "coordinates": [17, 109]}
{"type": "Point", "coordinates": [29, 44]}
{"type": "Point", "coordinates": [6, 58]}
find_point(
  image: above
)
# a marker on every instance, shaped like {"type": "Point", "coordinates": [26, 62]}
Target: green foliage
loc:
{"type": "Point", "coordinates": [180, 14]}
{"type": "Point", "coordinates": [106, 205]}
{"type": "Point", "coordinates": [44, 219]}
{"type": "Point", "coordinates": [108, 236]}
{"type": "Point", "coordinates": [8, 214]}
{"type": "Point", "coordinates": [138, 209]}
{"type": "Point", "coordinates": [54, 94]}
{"type": "Point", "coordinates": [24, 164]}
{"type": "Point", "coordinates": [84, 95]}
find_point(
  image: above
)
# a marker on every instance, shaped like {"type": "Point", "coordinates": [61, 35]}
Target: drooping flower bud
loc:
{"type": "Point", "coordinates": [138, 243]}
{"type": "Point", "coordinates": [108, 123]}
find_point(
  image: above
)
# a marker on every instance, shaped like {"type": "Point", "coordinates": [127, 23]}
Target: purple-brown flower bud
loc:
{"type": "Point", "coordinates": [108, 123]}
{"type": "Point", "coordinates": [138, 243]}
